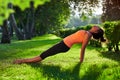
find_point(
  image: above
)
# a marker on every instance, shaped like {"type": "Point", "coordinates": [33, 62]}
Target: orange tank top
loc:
{"type": "Point", "coordinates": [74, 38]}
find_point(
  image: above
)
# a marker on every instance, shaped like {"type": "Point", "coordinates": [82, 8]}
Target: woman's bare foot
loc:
{"type": "Point", "coordinates": [19, 61]}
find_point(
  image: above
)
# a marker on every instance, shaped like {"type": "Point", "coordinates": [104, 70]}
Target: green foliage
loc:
{"type": "Point", "coordinates": [52, 16]}
{"type": "Point", "coordinates": [95, 43]}
{"type": "Point", "coordinates": [88, 27]}
{"type": "Point", "coordinates": [112, 32]}
{"type": "Point", "coordinates": [5, 11]}
{"type": "Point", "coordinates": [109, 26]}
{"type": "Point", "coordinates": [87, 6]}
{"type": "Point", "coordinates": [67, 31]}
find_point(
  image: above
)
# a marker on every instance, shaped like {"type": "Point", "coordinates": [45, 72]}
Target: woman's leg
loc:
{"type": "Point", "coordinates": [58, 48]}
{"type": "Point", "coordinates": [30, 60]}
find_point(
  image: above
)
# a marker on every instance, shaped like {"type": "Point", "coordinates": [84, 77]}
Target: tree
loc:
{"type": "Point", "coordinates": [25, 24]}
{"type": "Point", "coordinates": [46, 18]}
{"type": "Point", "coordinates": [111, 10]}
{"type": "Point", "coordinates": [5, 12]}
{"type": "Point", "coordinates": [5, 33]}
{"type": "Point", "coordinates": [84, 6]}
{"type": "Point", "coordinates": [13, 25]}
{"type": "Point", "coordinates": [51, 16]}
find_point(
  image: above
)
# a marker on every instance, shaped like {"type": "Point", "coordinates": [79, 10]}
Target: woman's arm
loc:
{"type": "Point", "coordinates": [84, 44]}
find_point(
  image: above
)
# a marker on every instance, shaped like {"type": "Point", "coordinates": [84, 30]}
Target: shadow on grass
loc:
{"type": "Point", "coordinates": [34, 43]}
{"type": "Point", "coordinates": [111, 55]}
{"type": "Point", "coordinates": [56, 73]}
{"type": "Point", "coordinates": [93, 72]}
{"type": "Point", "coordinates": [107, 54]}
{"type": "Point", "coordinates": [9, 51]}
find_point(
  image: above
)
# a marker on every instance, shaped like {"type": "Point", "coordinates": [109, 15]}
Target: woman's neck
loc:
{"type": "Point", "coordinates": [90, 31]}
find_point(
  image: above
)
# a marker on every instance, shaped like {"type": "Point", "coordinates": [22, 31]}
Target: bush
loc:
{"type": "Point", "coordinates": [95, 43]}
{"type": "Point", "coordinates": [112, 32]}
{"type": "Point", "coordinates": [65, 32]}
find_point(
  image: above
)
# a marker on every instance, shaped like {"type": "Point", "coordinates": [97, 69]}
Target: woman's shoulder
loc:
{"type": "Point", "coordinates": [85, 32]}
{"type": "Point", "coordinates": [82, 31]}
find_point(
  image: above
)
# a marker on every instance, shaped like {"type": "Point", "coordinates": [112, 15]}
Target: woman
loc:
{"type": "Point", "coordinates": [81, 36]}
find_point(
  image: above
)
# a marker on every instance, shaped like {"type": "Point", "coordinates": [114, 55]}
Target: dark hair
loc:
{"type": "Point", "coordinates": [99, 35]}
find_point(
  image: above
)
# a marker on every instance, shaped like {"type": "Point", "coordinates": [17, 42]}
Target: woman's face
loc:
{"type": "Point", "coordinates": [96, 32]}
{"type": "Point", "coordinates": [96, 36]}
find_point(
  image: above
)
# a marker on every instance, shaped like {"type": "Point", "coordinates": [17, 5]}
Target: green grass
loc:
{"type": "Point", "coordinates": [64, 66]}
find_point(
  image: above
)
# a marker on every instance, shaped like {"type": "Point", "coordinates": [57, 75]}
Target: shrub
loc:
{"type": "Point", "coordinates": [112, 32]}
{"type": "Point", "coordinates": [95, 43]}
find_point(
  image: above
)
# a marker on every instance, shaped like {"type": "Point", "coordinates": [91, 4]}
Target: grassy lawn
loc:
{"type": "Point", "coordinates": [64, 66]}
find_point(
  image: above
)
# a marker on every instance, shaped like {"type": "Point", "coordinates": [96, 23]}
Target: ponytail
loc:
{"type": "Point", "coordinates": [102, 39]}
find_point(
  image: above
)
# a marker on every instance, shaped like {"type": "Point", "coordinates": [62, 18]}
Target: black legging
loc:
{"type": "Point", "coordinates": [58, 48]}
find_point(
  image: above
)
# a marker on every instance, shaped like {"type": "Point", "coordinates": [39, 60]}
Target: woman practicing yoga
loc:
{"type": "Point", "coordinates": [81, 36]}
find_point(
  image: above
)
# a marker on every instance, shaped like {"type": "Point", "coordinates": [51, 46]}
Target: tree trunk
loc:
{"type": "Point", "coordinates": [116, 48]}
{"type": "Point", "coordinates": [32, 29]}
{"type": "Point", "coordinates": [109, 48]}
{"type": "Point", "coordinates": [11, 30]}
{"type": "Point", "coordinates": [13, 23]}
{"type": "Point", "coordinates": [29, 28]}
{"type": "Point", "coordinates": [111, 10]}
{"type": "Point", "coordinates": [5, 33]}
{"type": "Point", "coordinates": [19, 34]}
